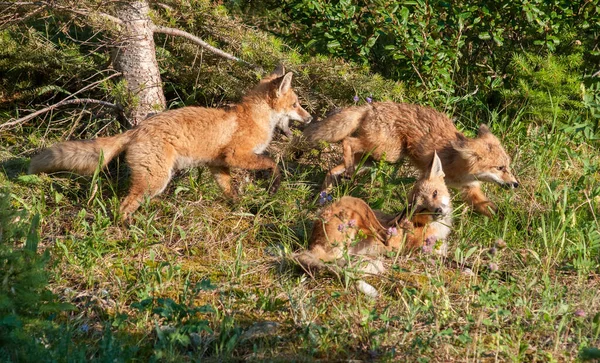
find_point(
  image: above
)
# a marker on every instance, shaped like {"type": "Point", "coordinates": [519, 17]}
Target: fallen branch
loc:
{"type": "Point", "coordinates": [59, 104]}
{"type": "Point", "coordinates": [203, 44]}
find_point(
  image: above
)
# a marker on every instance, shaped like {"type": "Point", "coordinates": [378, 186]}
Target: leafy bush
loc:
{"type": "Point", "coordinates": [433, 44]}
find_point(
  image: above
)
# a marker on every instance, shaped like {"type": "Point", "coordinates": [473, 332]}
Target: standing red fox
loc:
{"type": "Point", "coordinates": [399, 129]}
{"type": "Point", "coordinates": [225, 138]}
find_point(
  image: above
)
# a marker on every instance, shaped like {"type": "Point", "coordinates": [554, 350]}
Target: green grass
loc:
{"type": "Point", "coordinates": [196, 278]}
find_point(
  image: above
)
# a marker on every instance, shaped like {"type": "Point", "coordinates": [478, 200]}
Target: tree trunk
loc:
{"type": "Point", "coordinates": [135, 58]}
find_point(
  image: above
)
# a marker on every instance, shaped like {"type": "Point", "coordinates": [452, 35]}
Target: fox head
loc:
{"type": "Point", "coordinates": [276, 88]}
{"type": "Point", "coordinates": [486, 158]}
{"type": "Point", "coordinates": [430, 194]}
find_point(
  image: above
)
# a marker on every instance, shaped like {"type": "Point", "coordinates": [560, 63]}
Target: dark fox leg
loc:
{"type": "Point", "coordinates": [222, 175]}
{"type": "Point", "coordinates": [478, 201]}
{"type": "Point", "coordinates": [332, 175]}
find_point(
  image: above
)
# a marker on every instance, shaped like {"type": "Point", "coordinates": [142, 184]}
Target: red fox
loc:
{"type": "Point", "coordinates": [351, 226]}
{"type": "Point", "coordinates": [233, 137]}
{"type": "Point", "coordinates": [397, 130]}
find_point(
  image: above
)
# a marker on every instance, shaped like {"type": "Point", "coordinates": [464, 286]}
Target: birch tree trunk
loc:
{"type": "Point", "coordinates": [135, 58]}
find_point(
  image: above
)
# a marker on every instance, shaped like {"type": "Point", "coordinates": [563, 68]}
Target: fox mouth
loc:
{"type": "Point", "coordinates": [437, 213]}
{"type": "Point", "coordinates": [509, 185]}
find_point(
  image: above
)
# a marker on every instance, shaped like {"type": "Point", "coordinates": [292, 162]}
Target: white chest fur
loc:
{"type": "Point", "coordinates": [275, 119]}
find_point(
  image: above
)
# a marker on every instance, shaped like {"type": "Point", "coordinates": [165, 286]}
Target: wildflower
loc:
{"type": "Point", "coordinates": [492, 251]}
{"type": "Point", "coordinates": [352, 223]}
{"type": "Point", "coordinates": [341, 227]}
{"type": "Point", "coordinates": [467, 272]}
{"type": "Point", "coordinates": [392, 231]}
{"type": "Point", "coordinates": [324, 198]}
{"type": "Point", "coordinates": [500, 243]}
{"type": "Point", "coordinates": [369, 100]}
{"type": "Point", "coordinates": [580, 313]}
{"type": "Point", "coordinates": [355, 98]}
{"type": "Point", "coordinates": [430, 241]}
{"type": "Point", "coordinates": [427, 249]}
{"type": "Point", "coordinates": [84, 328]}
{"type": "Point", "coordinates": [493, 266]}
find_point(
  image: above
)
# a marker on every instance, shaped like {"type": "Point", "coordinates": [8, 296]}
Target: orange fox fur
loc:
{"type": "Point", "coordinates": [399, 129]}
{"type": "Point", "coordinates": [233, 137]}
{"type": "Point", "coordinates": [350, 225]}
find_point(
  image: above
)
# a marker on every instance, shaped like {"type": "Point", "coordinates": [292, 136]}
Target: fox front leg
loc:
{"type": "Point", "coordinates": [478, 201]}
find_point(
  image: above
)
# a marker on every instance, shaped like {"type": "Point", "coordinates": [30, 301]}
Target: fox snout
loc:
{"type": "Point", "coordinates": [306, 117]}
{"type": "Point", "coordinates": [511, 185]}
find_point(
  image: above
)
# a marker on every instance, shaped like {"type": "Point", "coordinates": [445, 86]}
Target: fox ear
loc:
{"type": "Point", "coordinates": [278, 72]}
{"type": "Point", "coordinates": [436, 170]}
{"type": "Point", "coordinates": [462, 147]}
{"type": "Point", "coordinates": [285, 85]}
{"type": "Point", "coordinates": [483, 130]}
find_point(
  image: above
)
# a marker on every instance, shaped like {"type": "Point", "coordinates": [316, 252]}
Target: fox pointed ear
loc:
{"type": "Point", "coordinates": [285, 85]}
{"type": "Point", "coordinates": [463, 147]}
{"type": "Point", "coordinates": [483, 130]}
{"type": "Point", "coordinates": [436, 170]}
{"type": "Point", "coordinates": [278, 72]}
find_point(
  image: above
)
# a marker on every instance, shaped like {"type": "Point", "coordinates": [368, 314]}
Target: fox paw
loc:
{"type": "Point", "coordinates": [488, 209]}
{"type": "Point", "coordinates": [275, 185]}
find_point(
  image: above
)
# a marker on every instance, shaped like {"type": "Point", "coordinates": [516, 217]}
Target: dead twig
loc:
{"type": "Point", "coordinates": [56, 105]}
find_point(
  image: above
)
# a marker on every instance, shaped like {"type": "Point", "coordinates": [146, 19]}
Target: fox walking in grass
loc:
{"type": "Point", "coordinates": [398, 129]}
{"type": "Point", "coordinates": [233, 137]}
{"type": "Point", "coordinates": [351, 226]}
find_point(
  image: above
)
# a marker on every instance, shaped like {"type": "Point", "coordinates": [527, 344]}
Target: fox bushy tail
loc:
{"type": "Point", "coordinates": [80, 156]}
{"type": "Point", "coordinates": [337, 126]}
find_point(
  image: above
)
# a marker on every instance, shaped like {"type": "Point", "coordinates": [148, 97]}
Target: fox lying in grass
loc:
{"type": "Point", "coordinates": [233, 137]}
{"type": "Point", "coordinates": [397, 130]}
{"type": "Point", "coordinates": [351, 226]}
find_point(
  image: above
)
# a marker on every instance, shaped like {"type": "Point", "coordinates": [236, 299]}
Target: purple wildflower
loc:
{"type": "Point", "coordinates": [369, 100]}
{"type": "Point", "coordinates": [427, 249]}
{"type": "Point", "coordinates": [355, 98]}
{"type": "Point", "coordinates": [493, 266]}
{"type": "Point", "coordinates": [352, 223]}
{"type": "Point", "coordinates": [580, 313]}
{"type": "Point", "coordinates": [430, 241]}
{"type": "Point", "coordinates": [493, 251]}
{"type": "Point", "coordinates": [341, 227]}
{"type": "Point", "coordinates": [84, 328]}
{"type": "Point", "coordinates": [392, 231]}
{"type": "Point", "coordinates": [324, 198]}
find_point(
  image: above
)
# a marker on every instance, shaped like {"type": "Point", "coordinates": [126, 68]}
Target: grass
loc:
{"type": "Point", "coordinates": [196, 278]}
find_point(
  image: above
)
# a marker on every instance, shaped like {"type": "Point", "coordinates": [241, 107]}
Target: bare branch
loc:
{"type": "Point", "coordinates": [66, 101]}
{"type": "Point", "coordinates": [59, 104]}
{"type": "Point", "coordinates": [203, 44]}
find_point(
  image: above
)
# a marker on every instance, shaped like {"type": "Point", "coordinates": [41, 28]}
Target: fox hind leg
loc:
{"type": "Point", "coordinates": [148, 178]}
{"type": "Point", "coordinates": [352, 146]}
{"type": "Point", "coordinates": [333, 174]}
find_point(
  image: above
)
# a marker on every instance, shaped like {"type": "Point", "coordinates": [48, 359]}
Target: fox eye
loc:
{"type": "Point", "coordinates": [295, 105]}
{"type": "Point", "coordinates": [435, 194]}
{"type": "Point", "coordinates": [501, 168]}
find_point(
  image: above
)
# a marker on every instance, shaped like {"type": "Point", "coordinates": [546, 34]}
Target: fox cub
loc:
{"type": "Point", "coordinates": [399, 129]}
{"type": "Point", "coordinates": [351, 226]}
{"type": "Point", "coordinates": [233, 137]}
